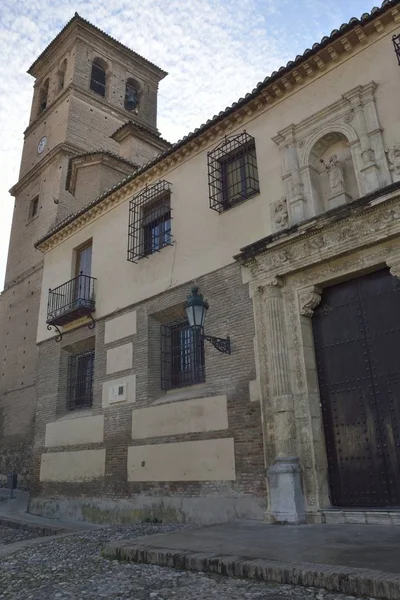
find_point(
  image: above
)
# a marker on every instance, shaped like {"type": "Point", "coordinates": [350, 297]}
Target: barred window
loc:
{"type": "Point", "coordinates": [149, 221]}
{"type": "Point", "coordinates": [80, 380]}
{"type": "Point", "coordinates": [156, 226]}
{"type": "Point", "coordinates": [182, 355]}
{"type": "Point", "coordinates": [232, 172]}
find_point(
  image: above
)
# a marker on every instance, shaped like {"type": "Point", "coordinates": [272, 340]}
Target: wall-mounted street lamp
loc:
{"type": "Point", "coordinates": [196, 308]}
{"type": "Point", "coordinates": [396, 44]}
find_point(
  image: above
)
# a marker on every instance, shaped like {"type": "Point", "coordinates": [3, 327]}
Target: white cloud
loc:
{"type": "Point", "coordinates": [214, 50]}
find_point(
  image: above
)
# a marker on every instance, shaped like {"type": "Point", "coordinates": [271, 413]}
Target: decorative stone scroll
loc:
{"type": "Point", "coordinates": [309, 300]}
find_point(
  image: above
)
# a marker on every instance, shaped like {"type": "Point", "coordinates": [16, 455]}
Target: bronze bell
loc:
{"type": "Point", "coordinates": [131, 101]}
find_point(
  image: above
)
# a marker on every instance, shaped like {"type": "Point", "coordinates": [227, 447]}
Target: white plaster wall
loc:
{"type": "Point", "coordinates": [201, 414]}
{"type": "Point", "coordinates": [204, 239]}
{"type": "Point", "coordinates": [119, 358]}
{"type": "Point", "coordinates": [208, 460]}
{"type": "Point", "coordinates": [120, 327]}
{"type": "Point", "coordinates": [71, 432]}
{"type": "Point", "coordinates": [82, 465]}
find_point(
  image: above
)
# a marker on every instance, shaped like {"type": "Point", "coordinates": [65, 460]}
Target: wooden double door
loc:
{"type": "Point", "coordinates": [357, 342]}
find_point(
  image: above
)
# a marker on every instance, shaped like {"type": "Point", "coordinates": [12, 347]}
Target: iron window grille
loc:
{"type": "Point", "coordinates": [396, 44]}
{"type": "Point", "coordinates": [182, 355]}
{"type": "Point", "coordinates": [232, 171]}
{"type": "Point", "coordinates": [149, 221]}
{"type": "Point", "coordinates": [98, 80]}
{"type": "Point", "coordinates": [80, 380]}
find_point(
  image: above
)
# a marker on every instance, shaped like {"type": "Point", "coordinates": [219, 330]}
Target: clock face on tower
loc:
{"type": "Point", "coordinates": [42, 144]}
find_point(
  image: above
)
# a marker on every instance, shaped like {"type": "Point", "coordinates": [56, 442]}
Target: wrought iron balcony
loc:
{"type": "Point", "coordinates": [71, 300]}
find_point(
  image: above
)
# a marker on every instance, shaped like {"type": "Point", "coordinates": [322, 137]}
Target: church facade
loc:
{"type": "Point", "coordinates": [218, 321]}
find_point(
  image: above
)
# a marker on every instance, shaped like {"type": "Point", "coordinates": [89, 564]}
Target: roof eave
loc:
{"type": "Point", "coordinates": [78, 20]}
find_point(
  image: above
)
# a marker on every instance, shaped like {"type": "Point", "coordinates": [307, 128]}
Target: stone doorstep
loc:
{"type": "Point", "coordinates": [334, 578]}
{"type": "Point", "coordinates": [361, 517]}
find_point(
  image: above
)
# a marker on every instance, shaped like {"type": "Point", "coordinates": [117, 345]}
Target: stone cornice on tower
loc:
{"type": "Point", "coordinates": [72, 28]}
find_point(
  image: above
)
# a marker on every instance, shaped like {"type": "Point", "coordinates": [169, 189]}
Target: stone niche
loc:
{"type": "Point", "coordinates": [331, 158]}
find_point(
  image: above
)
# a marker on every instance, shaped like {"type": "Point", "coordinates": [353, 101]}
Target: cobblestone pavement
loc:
{"type": "Point", "coordinates": [9, 535]}
{"type": "Point", "coordinates": [72, 567]}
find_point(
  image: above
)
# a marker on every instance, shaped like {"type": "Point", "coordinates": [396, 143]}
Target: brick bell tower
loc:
{"type": "Point", "coordinates": [87, 87]}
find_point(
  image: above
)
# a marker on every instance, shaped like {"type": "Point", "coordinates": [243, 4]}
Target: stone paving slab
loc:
{"type": "Point", "coordinates": [358, 560]}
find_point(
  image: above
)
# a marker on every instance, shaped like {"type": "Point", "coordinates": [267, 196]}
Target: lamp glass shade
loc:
{"type": "Point", "coordinates": [196, 309]}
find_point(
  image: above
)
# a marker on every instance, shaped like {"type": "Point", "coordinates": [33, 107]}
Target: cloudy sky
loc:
{"type": "Point", "coordinates": [214, 50]}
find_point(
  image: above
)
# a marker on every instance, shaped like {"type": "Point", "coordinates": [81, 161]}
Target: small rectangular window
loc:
{"type": "Point", "coordinates": [80, 380]}
{"type": "Point", "coordinates": [182, 354]}
{"type": "Point", "coordinates": [150, 219]}
{"type": "Point", "coordinates": [34, 207]}
{"type": "Point", "coordinates": [232, 172]}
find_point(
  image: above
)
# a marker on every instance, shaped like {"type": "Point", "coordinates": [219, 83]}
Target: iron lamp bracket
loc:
{"type": "Point", "coordinates": [221, 344]}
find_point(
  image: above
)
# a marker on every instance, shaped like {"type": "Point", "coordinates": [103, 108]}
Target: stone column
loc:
{"type": "Point", "coordinates": [291, 175]}
{"type": "Point", "coordinates": [296, 204]}
{"type": "Point", "coordinates": [369, 169]}
{"type": "Point", "coordinates": [286, 499]}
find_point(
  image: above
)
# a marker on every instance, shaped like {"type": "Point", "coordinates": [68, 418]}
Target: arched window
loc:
{"type": "Point", "coordinates": [131, 95]}
{"type": "Point", "coordinates": [98, 77]}
{"type": "Point", "coordinates": [43, 96]}
{"type": "Point", "coordinates": [61, 75]}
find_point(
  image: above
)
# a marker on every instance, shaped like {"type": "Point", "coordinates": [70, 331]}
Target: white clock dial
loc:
{"type": "Point", "coordinates": [42, 144]}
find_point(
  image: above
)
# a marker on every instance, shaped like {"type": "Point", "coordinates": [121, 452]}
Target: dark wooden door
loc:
{"type": "Point", "coordinates": [357, 344]}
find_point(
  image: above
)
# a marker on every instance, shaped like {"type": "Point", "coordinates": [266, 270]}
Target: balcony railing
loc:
{"type": "Point", "coordinates": [71, 300]}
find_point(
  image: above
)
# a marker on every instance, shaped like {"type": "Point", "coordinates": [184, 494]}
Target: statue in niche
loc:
{"type": "Point", "coordinates": [280, 214]}
{"type": "Point", "coordinates": [335, 175]}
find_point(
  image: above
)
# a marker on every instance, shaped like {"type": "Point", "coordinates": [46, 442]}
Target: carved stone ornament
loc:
{"type": "Point", "coordinates": [394, 158]}
{"type": "Point", "coordinates": [274, 282]}
{"type": "Point", "coordinates": [309, 300]}
{"type": "Point", "coordinates": [280, 214]}
{"type": "Point", "coordinates": [349, 117]}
